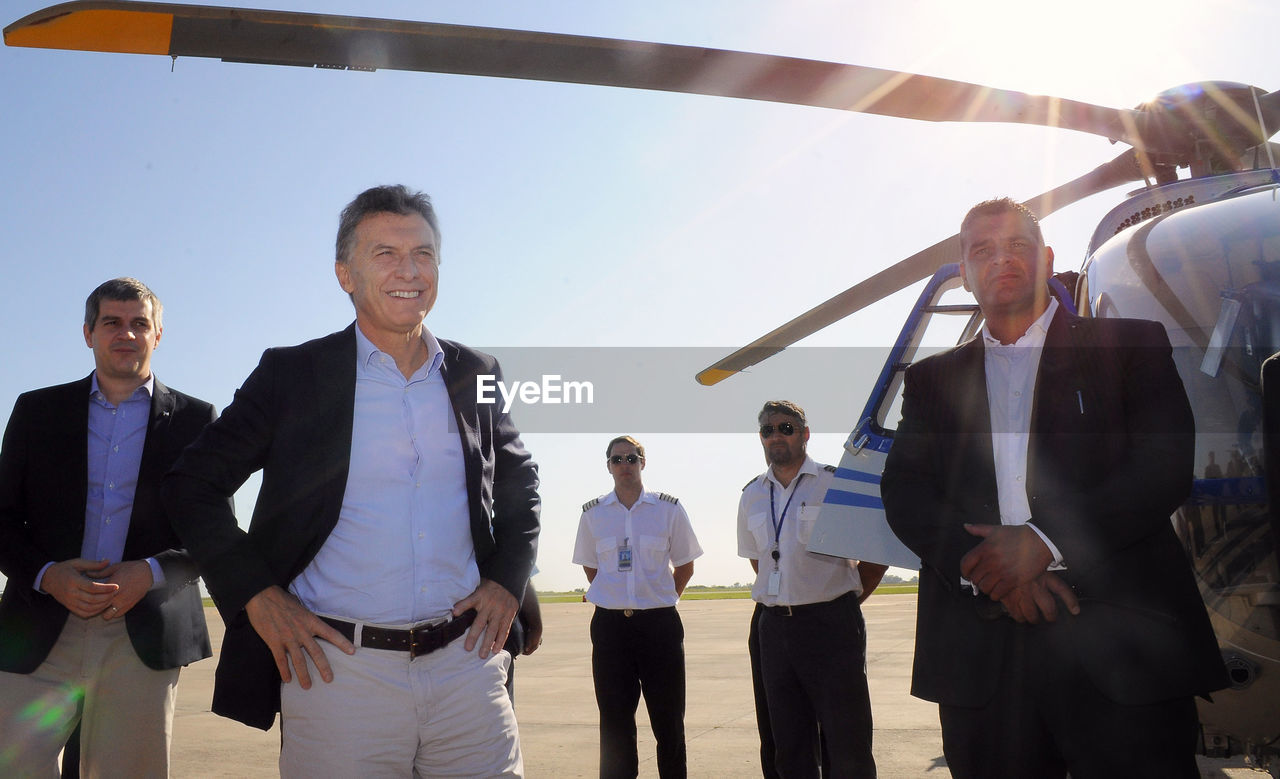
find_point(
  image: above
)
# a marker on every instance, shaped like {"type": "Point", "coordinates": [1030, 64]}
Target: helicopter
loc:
{"type": "Point", "coordinates": [1221, 319]}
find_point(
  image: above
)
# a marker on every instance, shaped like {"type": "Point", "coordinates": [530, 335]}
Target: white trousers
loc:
{"type": "Point", "coordinates": [92, 676]}
{"type": "Point", "coordinates": [383, 715]}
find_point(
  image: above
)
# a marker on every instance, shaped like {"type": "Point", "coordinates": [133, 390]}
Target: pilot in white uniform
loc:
{"type": "Point", "coordinates": [812, 638]}
{"type": "Point", "coordinates": [637, 549]}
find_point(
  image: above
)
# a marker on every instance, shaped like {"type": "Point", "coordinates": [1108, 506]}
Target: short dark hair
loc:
{"type": "Point", "coordinates": [122, 289]}
{"type": "Point", "coordinates": [625, 439]}
{"type": "Point", "coordinates": [390, 199]}
{"type": "Point", "coordinates": [997, 206]}
{"type": "Point", "coordinates": [781, 407]}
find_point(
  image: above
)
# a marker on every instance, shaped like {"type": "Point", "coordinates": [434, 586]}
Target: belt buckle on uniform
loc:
{"type": "Point", "coordinates": [628, 612]}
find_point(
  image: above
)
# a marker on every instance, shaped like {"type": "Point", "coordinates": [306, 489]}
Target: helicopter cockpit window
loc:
{"type": "Point", "coordinates": [1211, 275]}
{"type": "Point", "coordinates": [950, 318]}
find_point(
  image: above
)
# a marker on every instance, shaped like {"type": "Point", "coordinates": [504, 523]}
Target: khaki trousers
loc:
{"type": "Point", "coordinates": [93, 677]}
{"type": "Point", "coordinates": [384, 715]}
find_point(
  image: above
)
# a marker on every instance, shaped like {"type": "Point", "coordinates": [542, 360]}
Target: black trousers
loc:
{"type": "Point", "coordinates": [630, 655]}
{"type": "Point", "coordinates": [814, 663]}
{"type": "Point", "coordinates": [767, 748]}
{"type": "Point", "coordinates": [1047, 719]}
{"type": "Point", "coordinates": [767, 768]}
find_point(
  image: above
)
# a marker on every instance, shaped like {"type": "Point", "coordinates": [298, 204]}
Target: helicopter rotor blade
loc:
{"type": "Point", "coordinates": [345, 42]}
{"type": "Point", "coordinates": [921, 265]}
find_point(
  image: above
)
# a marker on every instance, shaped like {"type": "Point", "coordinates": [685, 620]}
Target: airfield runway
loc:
{"type": "Point", "coordinates": [555, 702]}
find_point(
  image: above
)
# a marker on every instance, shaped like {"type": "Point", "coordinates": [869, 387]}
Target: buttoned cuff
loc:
{"type": "Point", "coordinates": [40, 578]}
{"type": "Point", "coordinates": [1056, 564]}
{"type": "Point", "coordinates": [157, 573]}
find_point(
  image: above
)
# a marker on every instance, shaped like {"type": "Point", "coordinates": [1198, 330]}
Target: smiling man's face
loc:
{"type": "Point", "coordinates": [392, 273]}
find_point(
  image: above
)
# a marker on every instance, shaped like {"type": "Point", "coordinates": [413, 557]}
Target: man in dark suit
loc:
{"type": "Point", "coordinates": [396, 514]}
{"type": "Point", "coordinates": [101, 608]}
{"type": "Point", "coordinates": [1034, 472]}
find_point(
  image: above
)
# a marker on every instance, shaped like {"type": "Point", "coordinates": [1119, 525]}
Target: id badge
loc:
{"type": "Point", "coordinates": [775, 582]}
{"type": "Point", "coordinates": [624, 558]}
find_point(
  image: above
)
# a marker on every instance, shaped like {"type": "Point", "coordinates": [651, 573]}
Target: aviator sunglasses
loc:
{"type": "Point", "coordinates": [786, 428]}
{"type": "Point", "coordinates": [630, 459]}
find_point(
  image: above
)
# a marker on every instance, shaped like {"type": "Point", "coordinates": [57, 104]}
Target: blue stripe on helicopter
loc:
{"type": "Point", "coordinates": [848, 474]}
{"type": "Point", "coordinates": [1209, 492]}
{"type": "Point", "coordinates": [855, 499]}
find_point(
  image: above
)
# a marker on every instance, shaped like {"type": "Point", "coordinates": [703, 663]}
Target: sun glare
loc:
{"type": "Point", "coordinates": [1100, 51]}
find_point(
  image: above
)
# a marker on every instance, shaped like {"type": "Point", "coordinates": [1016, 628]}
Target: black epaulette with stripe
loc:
{"type": "Point", "coordinates": [590, 504]}
{"type": "Point", "coordinates": [829, 468]}
{"type": "Point", "coordinates": [748, 484]}
{"type": "Point", "coordinates": [668, 498]}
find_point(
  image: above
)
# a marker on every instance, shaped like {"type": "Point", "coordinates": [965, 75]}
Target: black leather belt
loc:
{"type": "Point", "coordinates": [807, 608]}
{"type": "Point", "coordinates": [634, 612]}
{"type": "Point", "coordinates": [418, 640]}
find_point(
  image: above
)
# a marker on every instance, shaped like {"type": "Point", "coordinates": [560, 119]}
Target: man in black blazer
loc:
{"type": "Point", "coordinates": [101, 608]}
{"type": "Point", "coordinates": [1034, 471]}
{"type": "Point", "coordinates": [396, 513]}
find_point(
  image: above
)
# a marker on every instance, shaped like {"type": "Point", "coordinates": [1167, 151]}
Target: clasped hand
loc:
{"type": "Point", "coordinates": [1009, 565]}
{"type": "Point", "coordinates": [88, 588]}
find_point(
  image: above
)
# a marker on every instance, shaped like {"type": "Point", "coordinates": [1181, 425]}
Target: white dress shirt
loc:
{"type": "Point", "coordinates": [804, 576]}
{"type": "Point", "coordinates": [657, 531]}
{"type": "Point", "coordinates": [1011, 371]}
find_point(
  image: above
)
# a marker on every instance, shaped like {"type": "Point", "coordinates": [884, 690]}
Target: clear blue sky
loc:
{"type": "Point", "coordinates": [572, 216]}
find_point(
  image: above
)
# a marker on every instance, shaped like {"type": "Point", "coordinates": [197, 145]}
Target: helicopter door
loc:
{"type": "Point", "coordinates": [852, 522]}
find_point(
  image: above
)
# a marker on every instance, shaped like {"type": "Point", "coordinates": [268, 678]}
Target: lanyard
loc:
{"type": "Point", "coordinates": [773, 514]}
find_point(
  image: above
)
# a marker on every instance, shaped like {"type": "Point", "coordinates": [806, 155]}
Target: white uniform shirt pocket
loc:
{"type": "Point", "coordinates": [607, 553]}
{"type": "Point", "coordinates": [804, 523]}
{"type": "Point", "coordinates": [655, 552]}
{"type": "Point", "coordinates": [761, 530]}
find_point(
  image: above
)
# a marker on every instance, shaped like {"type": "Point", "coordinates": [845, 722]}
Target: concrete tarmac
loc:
{"type": "Point", "coordinates": [555, 702]}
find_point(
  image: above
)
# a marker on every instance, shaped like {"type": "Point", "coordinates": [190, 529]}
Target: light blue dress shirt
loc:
{"type": "Point", "coordinates": [402, 550]}
{"type": "Point", "coordinates": [117, 435]}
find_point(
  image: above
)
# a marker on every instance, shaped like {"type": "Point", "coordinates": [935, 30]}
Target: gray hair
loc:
{"type": "Point", "coordinates": [391, 199]}
{"type": "Point", "coordinates": [785, 407]}
{"type": "Point", "coordinates": [121, 289]}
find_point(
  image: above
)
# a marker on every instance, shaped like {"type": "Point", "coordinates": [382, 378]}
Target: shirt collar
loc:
{"type": "Point", "coordinates": [148, 386]}
{"type": "Point", "coordinates": [365, 350]}
{"type": "Point", "coordinates": [1035, 334]}
{"type": "Point", "coordinates": [809, 466]}
{"type": "Point", "coordinates": [645, 497]}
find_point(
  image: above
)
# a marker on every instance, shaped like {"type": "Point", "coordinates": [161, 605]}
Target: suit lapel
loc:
{"type": "Point", "coordinates": [71, 425]}
{"type": "Point", "coordinates": [162, 405]}
{"type": "Point", "coordinates": [460, 384]}
{"type": "Point", "coordinates": [334, 381]}
{"type": "Point", "coordinates": [1056, 380]}
{"type": "Point", "coordinates": [151, 468]}
{"type": "Point", "coordinates": [971, 379]}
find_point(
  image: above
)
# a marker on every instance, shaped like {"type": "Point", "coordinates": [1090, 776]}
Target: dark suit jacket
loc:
{"type": "Point", "coordinates": [292, 420]}
{"type": "Point", "coordinates": [44, 475]}
{"type": "Point", "coordinates": [1110, 457]}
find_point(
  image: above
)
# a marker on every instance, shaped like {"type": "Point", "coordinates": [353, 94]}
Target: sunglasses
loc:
{"type": "Point", "coordinates": [629, 459]}
{"type": "Point", "coordinates": [786, 428]}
